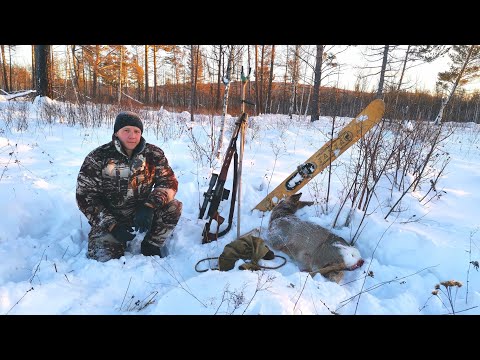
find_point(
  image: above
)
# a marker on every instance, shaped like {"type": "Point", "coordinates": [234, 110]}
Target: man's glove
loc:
{"type": "Point", "coordinates": [143, 218]}
{"type": "Point", "coordinates": [123, 233]}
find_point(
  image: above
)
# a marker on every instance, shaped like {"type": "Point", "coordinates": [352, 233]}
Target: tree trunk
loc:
{"type": "Point", "coordinates": [95, 71]}
{"type": "Point", "coordinates": [382, 72]}
{"type": "Point", "coordinates": [257, 102]}
{"type": "Point", "coordinates": [291, 109]}
{"type": "Point", "coordinates": [226, 81]}
{"type": "Point", "coordinates": [84, 75]}
{"type": "Point", "coordinates": [147, 100]}
{"type": "Point", "coordinates": [75, 69]}
{"type": "Point", "coordinates": [403, 68]}
{"type": "Point", "coordinates": [249, 62]}
{"type": "Point", "coordinates": [270, 80]}
{"type": "Point", "coordinates": [284, 97]}
{"type": "Point", "coordinates": [120, 76]}
{"type": "Point", "coordinates": [155, 96]}
{"type": "Point", "coordinates": [34, 86]}
{"type": "Point", "coordinates": [197, 65]}
{"type": "Point", "coordinates": [10, 66]}
{"type": "Point", "coordinates": [300, 107]}
{"type": "Point", "coordinates": [51, 72]}
{"type": "Point", "coordinates": [445, 101]}
{"type": "Point", "coordinates": [219, 77]}
{"type": "Point", "coordinates": [4, 68]}
{"type": "Point", "coordinates": [192, 80]}
{"type": "Point", "coordinates": [71, 72]}
{"type": "Point", "coordinates": [308, 100]}
{"type": "Point", "coordinates": [262, 57]}
{"type": "Point", "coordinates": [42, 61]}
{"type": "Point", "coordinates": [315, 111]}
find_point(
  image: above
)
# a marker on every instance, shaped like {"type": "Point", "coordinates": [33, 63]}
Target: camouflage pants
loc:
{"type": "Point", "coordinates": [103, 246]}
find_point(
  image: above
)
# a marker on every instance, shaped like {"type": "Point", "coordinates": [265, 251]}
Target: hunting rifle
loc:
{"type": "Point", "coordinates": [215, 196]}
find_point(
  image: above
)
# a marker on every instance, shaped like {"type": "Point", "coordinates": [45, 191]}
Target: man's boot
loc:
{"type": "Point", "coordinates": [104, 247]}
{"type": "Point", "coordinates": [155, 240]}
{"type": "Point", "coordinates": [149, 249]}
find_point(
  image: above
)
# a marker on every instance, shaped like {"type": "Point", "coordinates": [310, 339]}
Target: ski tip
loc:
{"type": "Point", "coordinates": [378, 103]}
{"type": "Point", "coordinates": [375, 109]}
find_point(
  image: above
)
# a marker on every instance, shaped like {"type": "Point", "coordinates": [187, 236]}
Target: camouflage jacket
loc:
{"type": "Point", "coordinates": [110, 185]}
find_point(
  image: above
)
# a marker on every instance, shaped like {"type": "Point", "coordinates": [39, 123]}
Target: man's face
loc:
{"type": "Point", "coordinates": [129, 136]}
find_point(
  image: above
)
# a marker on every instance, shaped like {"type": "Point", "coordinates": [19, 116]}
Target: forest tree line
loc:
{"type": "Point", "coordinates": [286, 79]}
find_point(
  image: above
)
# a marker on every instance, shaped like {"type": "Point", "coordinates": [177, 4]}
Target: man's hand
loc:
{"type": "Point", "coordinates": [143, 218]}
{"type": "Point", "coordinates": [123, 233]}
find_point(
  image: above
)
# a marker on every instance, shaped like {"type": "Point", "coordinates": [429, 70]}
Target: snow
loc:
{"type": "Point", "coordinates": [43, 235]}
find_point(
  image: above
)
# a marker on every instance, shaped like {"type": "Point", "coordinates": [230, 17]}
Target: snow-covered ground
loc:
{"type": "Point", "coordinates": [43, 235]}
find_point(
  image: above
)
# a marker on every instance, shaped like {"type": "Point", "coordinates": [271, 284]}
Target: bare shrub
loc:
{"type": "Point", "coordinates": [23, 111]}
{"type": "Point", "coordinates": [7, 113]}
{"type": "Point", "coordinates": [165, 125]}
{"type": "Point", "coordinates": [49, 112]}
{"type": "Point", "coordinates": [202, 145]}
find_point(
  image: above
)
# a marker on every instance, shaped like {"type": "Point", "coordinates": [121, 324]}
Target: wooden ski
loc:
{"type": "Point", "coordinates": [305, 172]}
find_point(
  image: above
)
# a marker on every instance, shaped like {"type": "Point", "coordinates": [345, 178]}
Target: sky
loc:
{"type": "Point", "coordinates": [43, 234]}
{"type": "Point", "coordinates": [425, 75]}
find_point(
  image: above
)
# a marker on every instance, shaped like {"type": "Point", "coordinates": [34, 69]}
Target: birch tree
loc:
{"type": "Point", "coordinates": [465, 67]}
{"type": "Point", "coordinates": [72, 71]}
{"type": "Point", "coordinates": [226, 82]}
{"type": "Point", "coordinates": [219, 75]}
{"type": "Point", "coordinates": [295, 73]}
{"type": "Point", "coordinates": [193, 84]}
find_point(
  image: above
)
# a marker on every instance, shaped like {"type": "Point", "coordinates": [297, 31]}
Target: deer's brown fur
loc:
{"type": "Point", "coordinates": [312, 247]}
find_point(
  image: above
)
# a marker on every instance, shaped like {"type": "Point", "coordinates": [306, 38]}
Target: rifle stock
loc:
{"type": "Point", "coordinates": [208, 195]}
{"type": "Point", "coordinates": [219, 194]}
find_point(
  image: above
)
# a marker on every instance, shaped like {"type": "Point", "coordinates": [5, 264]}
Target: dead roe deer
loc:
{"type": "Point", "coordinates": [312, 247]}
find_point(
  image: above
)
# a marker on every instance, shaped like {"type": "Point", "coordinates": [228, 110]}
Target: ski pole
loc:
{"type": "Point", "coordinates": [242, 147]}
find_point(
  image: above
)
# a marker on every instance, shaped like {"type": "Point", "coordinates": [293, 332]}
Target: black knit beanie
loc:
{"type": "Point", "coordinates": [127, 118]}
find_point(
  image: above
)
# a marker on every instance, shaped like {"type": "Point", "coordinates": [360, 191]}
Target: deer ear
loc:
{"type": "Point", "coordinates": [296, 197]}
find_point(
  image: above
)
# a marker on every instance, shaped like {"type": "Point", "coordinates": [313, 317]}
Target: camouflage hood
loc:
{"type": "Point", "coordinates": [118, 145]}
{"type": "Point", "coordinates": [247, 247]}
